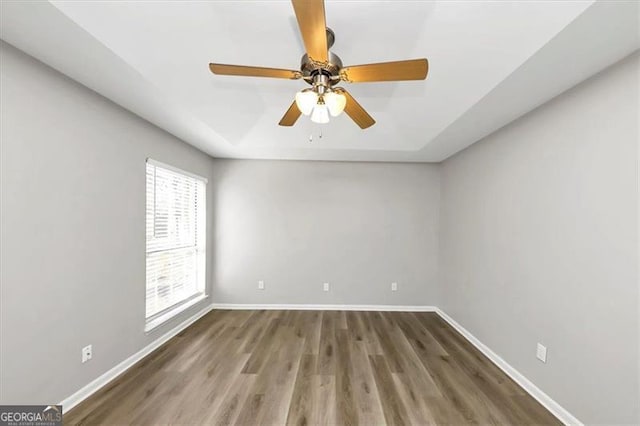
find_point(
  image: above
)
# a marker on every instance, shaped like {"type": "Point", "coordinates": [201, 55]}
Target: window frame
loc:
{"type": "Point", "coordinates": [169, 312]}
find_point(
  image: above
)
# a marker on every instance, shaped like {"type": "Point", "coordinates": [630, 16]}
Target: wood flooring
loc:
{"type": "Point", "coordinates": [313, 367]}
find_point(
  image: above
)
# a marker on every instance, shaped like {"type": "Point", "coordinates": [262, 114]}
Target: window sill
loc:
{"type": "Point", "coordinates": [158, 321]}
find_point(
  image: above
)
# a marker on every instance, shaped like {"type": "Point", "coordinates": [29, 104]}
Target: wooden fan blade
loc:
{"type": "Point", "coordinates": [355, 111]}
{"type": "Point", "coordinates": [313, 27]}
{"type": "Point", "coordinates": [242, 70]}
{"type": "Point", "coordinates": [414, 69]}
{"type": "Point", "coordinates": [291, 116]}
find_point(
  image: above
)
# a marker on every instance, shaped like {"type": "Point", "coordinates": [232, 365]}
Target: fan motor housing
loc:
{"type": "Point", "coordinates": [331, 68]}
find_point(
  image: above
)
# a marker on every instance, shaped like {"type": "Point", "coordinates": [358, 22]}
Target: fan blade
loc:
{"type": "Point", "coordinates": [291, 116]}
{"type": "Point", "coordinates": [355, 110]}
{"type": "Point", "coordinates": [313, 27]}
{"type": "Point", "coordinates": [241, 70]}
{"type": "Point", "coordinates": [414, 69]}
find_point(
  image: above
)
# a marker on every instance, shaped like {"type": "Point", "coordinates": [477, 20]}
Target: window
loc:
{"type": "Point", "coordinates": [176, 241]}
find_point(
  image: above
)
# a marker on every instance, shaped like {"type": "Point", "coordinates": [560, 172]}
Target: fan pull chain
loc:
{"type": "Point", "coordinates": [319, 133]}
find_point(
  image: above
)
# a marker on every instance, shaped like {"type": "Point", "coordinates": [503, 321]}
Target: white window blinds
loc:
{"type": "Point", "coordinates": [176, 238]}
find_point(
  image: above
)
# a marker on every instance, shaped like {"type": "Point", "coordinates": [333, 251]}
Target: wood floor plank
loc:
{"type": "Point", "coordinates": [341, 320]}
{"type": "Point", "coordinates": [384, 331]}
{"type": "Point", "coordinates": [250, 330]}
{"type": "Point", "coordinates": [371, 340]}
{"type": "Point", "coordinates": [301, 409]}
{"type": "Point", "coordinates": [253, 336]}
{"type": "Point", "coordinates": [420, 382]}
{"type": "Point", "coordinates": [444, 412]}
{"type": "Point", "coordinates": [325, 408]}
{"type": "Point", "coordinates": [312, 325]}
{"type": "Point", "coordinates": [356, 333]}
{"type": "Point", "coordinates": [250, 410]}
{"type": "Point", "coordinates": [364, 386]}
{"type": "Point", "coordinates": [346, 413]}
{"type": "Point", "coordinates": [418, 412]}
{"type": "Point", "coordinates": [415, 332]}
{"type": "Point", "coordinates": [229, 409]}
{"type": "Point", "coordinates": [415, 387]}
{"type": "Point", "coordinates": [313, 367]}
{"type": "Point", "coordinates": [327, 358]}
{"type": "Point", "coordinates": [277, 379]}
{"type": "Point", "coordinates": [199, 400]}
{"type": "Point", "coordinates": [260, 352]}
{"type": "Point", "coordinates": [395, 411]}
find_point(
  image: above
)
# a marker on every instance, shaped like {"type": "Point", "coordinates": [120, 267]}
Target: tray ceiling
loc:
{"type": "Point", "coordinates": [489, 63]}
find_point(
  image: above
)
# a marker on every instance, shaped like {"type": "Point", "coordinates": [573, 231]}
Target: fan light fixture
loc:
{"type": "Point", "coordinates": [306, 100]}
{"type": "Point", "coordinates": [320, 113]}
{"type": "Point", "coordinates": [319, 107]}
{"type": "Point", "coordinates": [335, 102]}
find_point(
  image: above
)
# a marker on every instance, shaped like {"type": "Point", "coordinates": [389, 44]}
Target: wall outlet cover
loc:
{"type": "Point", "coordinates": [394, 286]}
{"type": "Point", "coordinates": [541, 353]}
{"type": "Point", "coordinates": [325, 286]}
{"type": "Point", "coordinates": [87, 353]}
{"type": "Point", "coordinates": [260, 285]}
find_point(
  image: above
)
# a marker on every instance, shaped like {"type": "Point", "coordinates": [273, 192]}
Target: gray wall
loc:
{"type": "Point", "coordinates": [73, 240]}
{"type": "Point", "coordinates": [539, 244]}
{"type": "Point", "coordinates": [296, 225]}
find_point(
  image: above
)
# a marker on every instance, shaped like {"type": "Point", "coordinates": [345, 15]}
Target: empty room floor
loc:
{"type": "Point", "coordinates": [313, 367]}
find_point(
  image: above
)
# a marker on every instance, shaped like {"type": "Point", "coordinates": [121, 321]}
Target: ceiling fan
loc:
{"type": "Point", "coordinates": [323, 69]}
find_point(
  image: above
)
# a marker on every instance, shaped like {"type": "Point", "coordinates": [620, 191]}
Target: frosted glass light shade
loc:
{"type": "Point", "coordinates": [335, 102]}
{"type": "Point", "coordinates": [320, 114]}
{"type": "Point", "coordinates": [306, 100]}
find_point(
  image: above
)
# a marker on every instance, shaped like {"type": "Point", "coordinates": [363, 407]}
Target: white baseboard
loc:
{"type": "Point", "coordinates": [308, 307]}
{"type": "Point", "coordinates": [107, 377]}
{"type": "Point", "coordinates": [556, 409]}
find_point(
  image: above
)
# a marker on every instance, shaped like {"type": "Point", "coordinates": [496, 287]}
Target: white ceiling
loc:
{"type": "Point", "coordinates": [490, 62]}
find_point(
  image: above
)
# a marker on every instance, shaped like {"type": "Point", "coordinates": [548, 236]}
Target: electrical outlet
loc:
{"type": "Point", "coordinates": [325, 287]}
{"type": "Point", "coordinates": [260, 285]}
{"type": "Point", "coordinates": [541, 353]}
{"type": "Point", "coordinates": [394, 286]}
{"type": "Point", "coordinates": [87, 353]}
